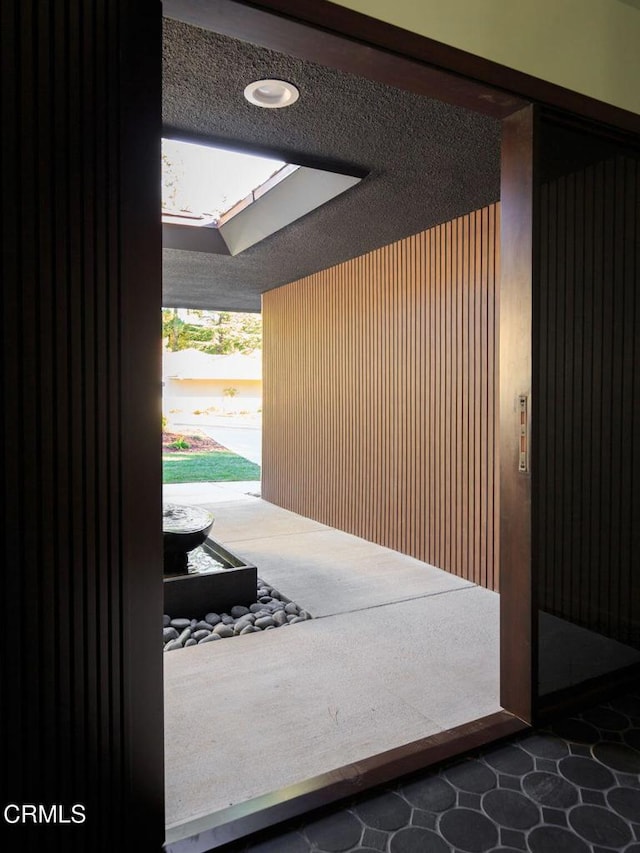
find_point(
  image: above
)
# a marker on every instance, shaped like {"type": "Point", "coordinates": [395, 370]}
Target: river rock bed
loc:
{"type": "Point", "coordinates": [271, 610]}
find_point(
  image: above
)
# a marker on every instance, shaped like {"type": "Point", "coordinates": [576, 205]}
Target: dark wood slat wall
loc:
{"type": "Point", "coordinates": [380, 396]}
{"type": "Point", "coordinates": [588, 398]}
{"type": "Point", "coordinates": [82, 573]}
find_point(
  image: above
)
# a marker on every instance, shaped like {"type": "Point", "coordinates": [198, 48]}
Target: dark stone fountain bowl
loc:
{"type": "Point", "coordinates": [183, 529]}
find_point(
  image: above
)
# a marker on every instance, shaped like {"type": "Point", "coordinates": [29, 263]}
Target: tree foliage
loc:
{"type": "Point", "coordinates": [215, 332]}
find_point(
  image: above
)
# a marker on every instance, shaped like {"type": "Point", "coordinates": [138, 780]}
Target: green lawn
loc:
{"type": "Point", "coordinates": [210, 467]}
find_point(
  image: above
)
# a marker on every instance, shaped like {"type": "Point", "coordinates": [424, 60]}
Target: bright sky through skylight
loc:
{"type": "Point", "coordinates": [201, 179]}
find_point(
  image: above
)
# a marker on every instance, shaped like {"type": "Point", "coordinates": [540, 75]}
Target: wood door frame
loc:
{"type": "Point", "coordinates": [318, 31]}
{"type": "Point", "coordinates": [518, 609]}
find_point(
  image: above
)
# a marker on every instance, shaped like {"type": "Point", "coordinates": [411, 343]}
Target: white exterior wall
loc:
{"type": "Point", "coordinates": [188, 395]}
{"type": "Point", "coordinates": [588, 46]}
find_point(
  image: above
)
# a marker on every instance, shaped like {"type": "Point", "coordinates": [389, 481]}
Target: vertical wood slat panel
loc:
{"type": "Point", "coordinates": [82, 714]}
{"type": "Point", "coordinates": [380, 390]}
{"type": "Point", "coordinates": [588, 410]}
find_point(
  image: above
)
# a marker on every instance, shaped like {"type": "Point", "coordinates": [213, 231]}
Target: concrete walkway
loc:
{"type": "Point", "coordinates": [397, 650]}
{"type": "Point", "coordinates": [241, 435]}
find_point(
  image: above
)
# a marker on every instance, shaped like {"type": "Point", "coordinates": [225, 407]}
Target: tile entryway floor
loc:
{"type": "Point", "coordinates": [397, 651]}
{"type": "Point", "coordinates": [571, 788]}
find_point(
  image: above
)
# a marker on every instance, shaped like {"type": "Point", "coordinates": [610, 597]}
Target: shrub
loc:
{"type": "Point", "coordinates": [180, 444]}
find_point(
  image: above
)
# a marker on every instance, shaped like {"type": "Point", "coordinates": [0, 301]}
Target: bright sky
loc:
{"type": "Point", "coordinates": [202, 179]}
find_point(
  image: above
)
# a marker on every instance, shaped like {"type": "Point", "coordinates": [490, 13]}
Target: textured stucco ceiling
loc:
{"type": "Point", "coordinates": [426, 162]}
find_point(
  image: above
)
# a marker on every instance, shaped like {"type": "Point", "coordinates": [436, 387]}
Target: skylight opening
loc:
{"type": "Point", "coordinates": [202, 184]}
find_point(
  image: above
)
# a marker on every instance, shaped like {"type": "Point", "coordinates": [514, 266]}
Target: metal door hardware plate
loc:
{"type": "Point", "coordinates": [523, 437]}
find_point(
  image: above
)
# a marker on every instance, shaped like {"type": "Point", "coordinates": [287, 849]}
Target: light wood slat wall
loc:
{"type": "Point", "coordinates": [587, 518]}
{"type": "Point", "coordinates": [380, 396]}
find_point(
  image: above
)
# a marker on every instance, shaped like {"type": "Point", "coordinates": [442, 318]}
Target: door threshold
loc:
{"type": "Point", "coordinates": [221, 827]}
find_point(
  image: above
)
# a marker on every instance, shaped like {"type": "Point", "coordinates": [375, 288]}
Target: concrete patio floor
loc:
{"type": "Point", "coordinates": [398, 650]}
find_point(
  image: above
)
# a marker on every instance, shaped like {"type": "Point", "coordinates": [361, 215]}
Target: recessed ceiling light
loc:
{"type": "Point", "coordinates": [271, 94]}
